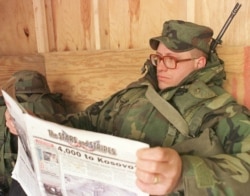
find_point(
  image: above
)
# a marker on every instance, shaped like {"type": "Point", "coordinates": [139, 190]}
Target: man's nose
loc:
{"type": "Point", "coordinates": [161, 65]}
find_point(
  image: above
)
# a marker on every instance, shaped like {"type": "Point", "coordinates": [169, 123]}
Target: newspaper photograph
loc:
{"type": "Point", "coordinates": [57, 160]}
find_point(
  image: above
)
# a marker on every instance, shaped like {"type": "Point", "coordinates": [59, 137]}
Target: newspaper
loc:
{"type": "Point", "coordinates": [57, 160]}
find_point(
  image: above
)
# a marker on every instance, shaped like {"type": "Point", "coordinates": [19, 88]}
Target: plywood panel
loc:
{"type": "Point", "coordinates": [104, 24]}
{"type": "Point", "coordinates": [41, 26]}
{"type": "Point", "coordinates": [62, 25]}
{"type": "Point", "coordinates": [214, 13]}
{"type": "Point", "coordinates": [51, 36]}
{"type": "Point", "coordinates": [17, 32]}
{"type": "Point", "coordinates": [89, 76]}
{"type": "Point", "coordinates": [133, 22]}
{"type": "Point", "coordinates": [236, 67]}
{"type": "Point", "coordinates": [86, 77]}
{"type": "Point", "coordinates": [73, 25]}
{"type": "Point", "coordinates": [124, 24]}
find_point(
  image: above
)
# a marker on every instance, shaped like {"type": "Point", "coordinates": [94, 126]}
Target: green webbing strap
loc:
{"type": "Point", "coordinates": [168, 111]}
{"type": "Point", "coordinates": [170, 136]}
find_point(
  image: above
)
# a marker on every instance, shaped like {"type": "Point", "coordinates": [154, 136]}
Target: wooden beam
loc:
{"type": "Point", "coordinates": [89, 76]}
{"type": "Point", "coordinates": [40, 26]}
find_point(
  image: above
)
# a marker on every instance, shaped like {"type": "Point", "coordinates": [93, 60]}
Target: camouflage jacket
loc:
{"type": "Point", "coordinates": [216, 151]}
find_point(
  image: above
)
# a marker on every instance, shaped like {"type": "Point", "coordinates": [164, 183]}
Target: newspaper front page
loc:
{"type": "Point", "coordinates": [57, 160]}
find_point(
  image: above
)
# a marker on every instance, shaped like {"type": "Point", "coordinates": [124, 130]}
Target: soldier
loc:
{"type": "Point", "coordinates": [31, 90]}
{"type": "Point", "coordinates": [198, 135]}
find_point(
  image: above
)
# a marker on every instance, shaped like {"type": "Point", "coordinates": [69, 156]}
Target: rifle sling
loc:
{"type": "Point", "coordinates": [168, 111]}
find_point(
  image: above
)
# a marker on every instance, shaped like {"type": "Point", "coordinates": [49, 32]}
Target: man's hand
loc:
{"type": "Point", "coordinates": [158, 170]}
{"type": "Point", "coordinates": [9, 123]}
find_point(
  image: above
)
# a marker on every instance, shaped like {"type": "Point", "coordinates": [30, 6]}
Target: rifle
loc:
{"type": "Point", "coordinates": [218, 40]}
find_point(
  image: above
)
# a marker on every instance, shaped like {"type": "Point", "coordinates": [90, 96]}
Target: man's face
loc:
{"type": "Point", "coordinates": [172, 77]}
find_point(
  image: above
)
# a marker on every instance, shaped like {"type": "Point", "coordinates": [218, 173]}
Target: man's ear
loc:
{"type": "Point", "coordinates": [201, 62]}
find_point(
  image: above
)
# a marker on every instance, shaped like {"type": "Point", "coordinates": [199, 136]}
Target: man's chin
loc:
{"type": "Point", "coordinates": [163, 85]}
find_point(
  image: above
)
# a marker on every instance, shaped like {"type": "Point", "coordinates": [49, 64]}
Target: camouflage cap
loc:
{"type": "Point", "coordinates": [181, 36]}
{"type": "Point", "coordinates": [28, 81]}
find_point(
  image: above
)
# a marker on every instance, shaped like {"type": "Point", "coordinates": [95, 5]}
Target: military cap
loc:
{"type": "Point", "coordinates": [181, 36]}
{"type": "Point", "coordinates": [29, 81]}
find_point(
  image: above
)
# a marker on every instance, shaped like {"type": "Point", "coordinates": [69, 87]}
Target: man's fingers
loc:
{"type": "Point", "coordinates": [9, 123]}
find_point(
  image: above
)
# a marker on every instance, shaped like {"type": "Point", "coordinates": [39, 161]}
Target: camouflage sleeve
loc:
{"type": "Point", "coordinates": [87, 119]}
{"type": "Point", "coordinates": [225, 173]}
{"type": "Point", "coordinates": [79, 120]}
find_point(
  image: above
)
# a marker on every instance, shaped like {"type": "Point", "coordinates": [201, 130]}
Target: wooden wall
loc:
{"type": "Point", "coordinates": [40, 35]}
{"type": "Point", "coordinates": [35, 26]}
{"type": "Point", "coordinates": [85, 77]}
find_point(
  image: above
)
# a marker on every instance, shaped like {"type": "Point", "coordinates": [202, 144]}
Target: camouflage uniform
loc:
{"type": "Point", "coordinates": [32, 91]}
{"type": "Point", "coordinates": [216, 151]}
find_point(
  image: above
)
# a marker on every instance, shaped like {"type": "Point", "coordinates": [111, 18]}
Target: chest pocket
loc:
{"type": "Point", "coordinates": [199, 101]}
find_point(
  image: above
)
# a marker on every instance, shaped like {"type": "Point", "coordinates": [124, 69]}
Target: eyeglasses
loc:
{"type": "Point", "coordinates": [169, 61]}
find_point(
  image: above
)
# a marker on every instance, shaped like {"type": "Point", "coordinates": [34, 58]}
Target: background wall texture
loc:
{"type": "Point", "coordinates": [36, 26]}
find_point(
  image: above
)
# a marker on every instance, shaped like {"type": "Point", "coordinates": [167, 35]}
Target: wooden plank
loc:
{"type": "Point", "coordinates": [234, 84]}
{"type": "Point", "coordinates": [50, 26]}
{"type": "Point", "coordinates": [214, 13]}
{"type": "Point", "coordinates": [96, 23]}
{"type": "Point", "coordinates": [233, 57]}
{"type": "Point", "coordinates": [133, 23]}
{"type": "Point", "coordinates": [17, 32]}
{"type": "Point", "coordinates": [40, 26]}
{"type": "Point", "coordinates": [54, 25]}
{"type": "Point", "coordinates": [191, 11]}
{"type": "Point", "coordinates": [73, 25]}
{"type": "Point", "coordinates": [89, 76]}
{"type": "Point", "coordinates": [87, 24]}
{"type": "Point", "coordinates": [234, 60]}
{"type": "Point", "coordinates": [104, 23]}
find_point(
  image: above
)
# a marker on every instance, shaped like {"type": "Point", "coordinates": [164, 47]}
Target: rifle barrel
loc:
{"type": "Point", "coordinates": [230, 18]}
{"type": "Point", "coordinates": [225, 26]}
